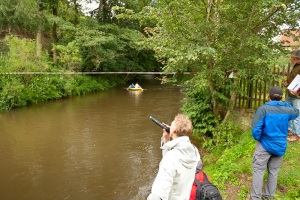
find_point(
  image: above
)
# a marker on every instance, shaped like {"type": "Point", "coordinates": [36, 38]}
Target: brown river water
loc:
{"type": "Point", "coordinates": [101, 146]}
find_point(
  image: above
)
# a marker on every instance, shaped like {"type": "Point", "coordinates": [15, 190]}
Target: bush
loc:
{"type": "Point", "coordinates": [12, 93]}
{"type": "Point", "coordinates": [225, 135]}
{"type": "Point", "coordinates": [22, 56]}
{"type": "Point", "coordinates": [21, 90]}
{"type": "Point", "coordinates": [197, 105]}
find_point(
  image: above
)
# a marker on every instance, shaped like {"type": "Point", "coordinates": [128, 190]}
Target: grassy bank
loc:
{"type": "Point", "coordinates": [231, 170]}
{"type": "Point", "coordinates": [21, 90]}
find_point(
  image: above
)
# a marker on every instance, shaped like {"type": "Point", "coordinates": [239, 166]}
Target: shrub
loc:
{"type": "Point", "coordinates": [21, 90]}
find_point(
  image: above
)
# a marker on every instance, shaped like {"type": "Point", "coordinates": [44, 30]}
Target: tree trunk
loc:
{"type": "Point", "coordinates": [100, 9]}
{"type": "Point", "coordinates": [39, 33]}
{"type": "Point", "coordinates": [211, 18]}
{"type": "Point", "coordinates": [232, 101]}
{"type": "Point", "coordinates": [54, 36]}
{"type": "Point", "coordinates": [76, 21]}
{"type": "Point", "coordinates": [216, 107]}
{"type": "Point", "coordinates": [39, 36]}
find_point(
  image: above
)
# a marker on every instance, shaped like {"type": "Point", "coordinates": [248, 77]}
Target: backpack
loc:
{"type": "Point", "coordinates": [206, 190]}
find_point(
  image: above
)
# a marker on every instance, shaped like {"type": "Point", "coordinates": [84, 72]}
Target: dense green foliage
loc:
{"type": "Point", "coordinates": [215, 38]}
{"type": "Point", "coordinates": [112, 49]}
{"type": "Point", "coordinates": [20, 90]}
{"type": "Point", "coordinates": [63, 22]}
{"type": "Point", "coordinates": [18, 15]}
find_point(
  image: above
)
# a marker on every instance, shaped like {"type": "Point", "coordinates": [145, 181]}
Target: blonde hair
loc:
{"type": "Point", "coordinates": [183, 125]}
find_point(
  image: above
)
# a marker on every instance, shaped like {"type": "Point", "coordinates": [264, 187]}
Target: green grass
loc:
{"type": "Point", "coordinates": [231, 170]}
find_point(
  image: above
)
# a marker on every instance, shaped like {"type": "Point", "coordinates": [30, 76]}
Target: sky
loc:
{"type": "Point", "coordinates": [89, 6]}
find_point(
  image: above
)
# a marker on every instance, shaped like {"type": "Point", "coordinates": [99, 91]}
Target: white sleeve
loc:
{"type": "Point", "coordinates": [164, 180]}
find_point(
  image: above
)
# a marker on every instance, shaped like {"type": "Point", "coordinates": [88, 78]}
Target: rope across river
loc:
{"type": "Point", "coordinates": [70, 73]}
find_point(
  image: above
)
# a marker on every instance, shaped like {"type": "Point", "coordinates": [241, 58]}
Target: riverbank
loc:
{"type": "Point", "coordinates": [22, 90]}
{"type": "Point", "coordinates": [231, 170]}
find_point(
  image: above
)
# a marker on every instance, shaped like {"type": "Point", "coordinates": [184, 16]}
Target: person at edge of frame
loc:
{"type": "Point", "coordinates": [177, 168]}
{"type": "Point", "coordinates": [270, 130]}
{"type": "Point", "coordinates": [293, 97]}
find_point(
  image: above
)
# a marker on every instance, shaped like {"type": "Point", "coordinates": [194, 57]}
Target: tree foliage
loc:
{"type": "Point", "coordinates": [215, 38]}
{"type": "Point", "coordinates": [80, 42]}
{"type": "Point", "coordinates": [66, 39]}
{"type": "Point", "coordinates": [19, 15]}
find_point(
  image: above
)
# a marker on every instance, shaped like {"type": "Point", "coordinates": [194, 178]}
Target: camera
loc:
{"type": "Point", "coordinates": [161, 125]}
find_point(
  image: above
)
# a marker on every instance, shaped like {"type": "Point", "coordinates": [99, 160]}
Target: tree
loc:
{"type": "Point", "coordinates": [107, 47]}
{"type": "Point", "coordinates": [24, 18]}
{"type": "Point", "coordinates": [39, 34]}
{"type": "Point", "coordinates": [18, 15]}
{"type": "Point", "coordinates": [57, 25]}
{"type": "Point", "coordinates": [54, 5]}
{"type": "Point", "coordinates": [215, 37]}
{"type": "Point", "coordinates": [104, 11]}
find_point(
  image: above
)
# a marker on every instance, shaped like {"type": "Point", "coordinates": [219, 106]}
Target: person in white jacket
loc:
{"type": "Point", "coordinates": [177, 168]}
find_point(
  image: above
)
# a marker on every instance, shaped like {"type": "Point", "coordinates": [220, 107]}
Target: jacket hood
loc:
{"type": "Point", "coordinates": [187, 153]}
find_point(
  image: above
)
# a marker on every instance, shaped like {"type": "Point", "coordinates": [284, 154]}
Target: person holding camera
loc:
{"type": "Point", "coordinates": [177, 168]}
{"type": "Point", "coordinates": [270, 130]}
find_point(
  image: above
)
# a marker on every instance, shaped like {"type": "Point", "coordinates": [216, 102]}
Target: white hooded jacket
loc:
{"type": "Point", "coordinates": [176, 172]}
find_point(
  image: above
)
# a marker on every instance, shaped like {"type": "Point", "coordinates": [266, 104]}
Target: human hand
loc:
{"type": "Point", "coordinates": [294, 92]}
{"type": "Point", "coordinates": [166, 135]}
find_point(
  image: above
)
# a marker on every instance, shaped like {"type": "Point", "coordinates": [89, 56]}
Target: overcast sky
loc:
{"type": "Point", "coordinates": [89, 6]}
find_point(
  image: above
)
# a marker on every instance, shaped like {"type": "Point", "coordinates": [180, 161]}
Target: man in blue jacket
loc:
{"type": "Point", "coordinates": [270, 129]}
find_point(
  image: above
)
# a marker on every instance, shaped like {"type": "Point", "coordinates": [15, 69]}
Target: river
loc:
{"type": "Point", "coordinates": [101, 146]}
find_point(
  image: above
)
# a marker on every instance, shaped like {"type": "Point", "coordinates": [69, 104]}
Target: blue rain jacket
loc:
{"type": "Point", "coordinates": [270, 125]}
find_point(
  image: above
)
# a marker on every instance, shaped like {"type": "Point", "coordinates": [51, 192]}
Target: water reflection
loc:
{"type": "Point", "coordinates": [99, 146]}
{"type": "Point", "coordinates": [136, 95]}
